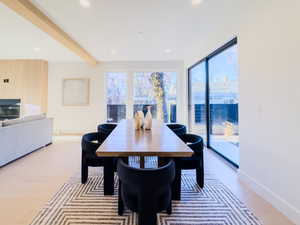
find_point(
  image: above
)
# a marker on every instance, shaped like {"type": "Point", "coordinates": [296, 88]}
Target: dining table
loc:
{"type": "Point", "coordinates": [125, 141]}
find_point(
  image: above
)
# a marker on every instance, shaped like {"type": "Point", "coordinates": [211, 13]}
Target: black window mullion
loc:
{"type": "Point", "coordinates": [207, 104]}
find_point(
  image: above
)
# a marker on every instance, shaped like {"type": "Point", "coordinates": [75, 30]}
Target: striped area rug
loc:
{"type": "Point", "coordinates": [80, 204]}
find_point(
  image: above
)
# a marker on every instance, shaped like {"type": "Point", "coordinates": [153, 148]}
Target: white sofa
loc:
{"type": "Point", "coordinates": [19, 137]}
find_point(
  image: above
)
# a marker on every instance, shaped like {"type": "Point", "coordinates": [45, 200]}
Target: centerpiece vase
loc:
{"type": "Point", "coordinates": [138, 121]}
{"type": "Point", "coordinates": [148, 119]}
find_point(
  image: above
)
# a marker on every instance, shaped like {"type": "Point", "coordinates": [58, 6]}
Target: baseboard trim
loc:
{"type": "Point", "coordinates": [278, 202]}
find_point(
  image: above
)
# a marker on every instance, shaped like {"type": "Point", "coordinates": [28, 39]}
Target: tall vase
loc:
{"type": "Point", "coordinates": [138, 122]}
{"type": "Point", "coordinates": [148, 119]}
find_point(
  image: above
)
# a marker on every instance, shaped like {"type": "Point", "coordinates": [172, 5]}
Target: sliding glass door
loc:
{"type": "Point", "coordinates": [197, 102]}
{"type": "Point", "coordinates": [213, 93]}
{"type": "Point", "coordinates": [223, 103]}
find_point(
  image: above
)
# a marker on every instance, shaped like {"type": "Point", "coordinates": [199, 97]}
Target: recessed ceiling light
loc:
{"type": "Point", "coordinates": [37, 49]}
{"type": "Point", "coordinates": [113, 51]}
{"type": "Point", "coordinates": [85, 3]}
{"type": "Point", "coordinates": [168, 50]}
{"type": "Point", "coordinates": [197, 2]}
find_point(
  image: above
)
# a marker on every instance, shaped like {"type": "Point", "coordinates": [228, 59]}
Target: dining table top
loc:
{"type": "Point", "coordinates": [126, 141]}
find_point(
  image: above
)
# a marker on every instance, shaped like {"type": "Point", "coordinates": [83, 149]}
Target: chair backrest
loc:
{"type": "Point", "coordinates": [90, 142]}
{"type": "Point", "coordinates": [106, 128]}
{"type": "Point", "coordinates": [195, 142]}
{"type": "Point", "coordinates": [146, 180]}
{"type": "Point", "coordinates": [178, 129]}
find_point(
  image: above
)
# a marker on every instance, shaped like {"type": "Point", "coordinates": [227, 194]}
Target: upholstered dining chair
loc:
{"type": "Point", "coordinates": [145, 191]}
{"type": "Point", "coordinates": [195, 142]}
{"type": "Point", "coordinates": [90, 143]}
{"type": "Point", "coordinates": [178, 129]}
{"type": "Point", "coordinates": [105, 129]}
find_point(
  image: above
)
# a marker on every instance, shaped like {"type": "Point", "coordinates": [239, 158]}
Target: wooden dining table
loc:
{"type": "Point", "coordinates": [125, 141]}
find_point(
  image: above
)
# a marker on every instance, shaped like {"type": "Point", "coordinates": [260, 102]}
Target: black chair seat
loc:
{"type": "Point", "coordinates": [162, 200]}
{"type": "Point", "coordinates": [178, 129]}
{"type": "Point", "coordinates": [195, 142]}
{"type": "Point", "coordinates": [145, 191]}
{"type": "Point", "coordinates": [90, 143]}
{"type": "Point", "coordinates": [105, 129]}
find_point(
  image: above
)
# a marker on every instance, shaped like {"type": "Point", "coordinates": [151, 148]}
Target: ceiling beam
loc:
{"type": "Point", "coordinates": [34, 15]}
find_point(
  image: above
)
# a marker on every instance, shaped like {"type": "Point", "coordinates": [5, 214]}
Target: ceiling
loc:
{"type": "Point", "coordinates": [114, 30]}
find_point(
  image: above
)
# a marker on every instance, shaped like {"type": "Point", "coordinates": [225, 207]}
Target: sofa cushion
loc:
{"type": "Point", "coordinates": [6, 123]}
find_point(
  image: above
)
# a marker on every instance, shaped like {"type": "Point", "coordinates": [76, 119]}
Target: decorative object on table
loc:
{"type": "Point", "coordinates": [76, 92]}
{"type": "Point", "coordinates": [157, 80]}
{"type": "Point", "coordinates": [142, 116]}
{"type": "Point", "coordinates": [148, 119]}
{"type": "Point", "coordinates": [138, 120]}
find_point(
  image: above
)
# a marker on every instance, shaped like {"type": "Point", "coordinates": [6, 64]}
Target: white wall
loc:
{"type": "Point", "coordinates": [270, 103]}
{"type": "Point", "coordinates": [269, 46]}
{"type": "Point", "coordinates": [85, 119]}
{"type": "Point", "coordinates": [69, 119]}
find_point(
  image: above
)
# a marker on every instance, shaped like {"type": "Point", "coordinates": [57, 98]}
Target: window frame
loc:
{"type": "Point", "coordinates": [206, 59]}
{"type": "Point", "coordinates": [105, 90]}
{"type": "Point", "coordinates": [129, 72]}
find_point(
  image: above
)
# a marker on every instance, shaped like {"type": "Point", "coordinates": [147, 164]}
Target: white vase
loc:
{"type": "Point", "coordinates": [142, 118]}
{"type": "Point", "coordinates": [148, 119]}
{"type": "Point", "coordinates": [137, 121]}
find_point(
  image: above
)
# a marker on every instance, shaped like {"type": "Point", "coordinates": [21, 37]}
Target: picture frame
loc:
{"type": "Point", "coordinates": [76, 92]}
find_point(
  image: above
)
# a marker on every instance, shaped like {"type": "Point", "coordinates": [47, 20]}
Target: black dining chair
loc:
{"type": "Point", "coordinates": [105, 129]}
{"type": "Point", "coordinates": [195, 142]}
{"type": "Point", "coordinates": [145, 191]}
{"type": "Point", "coordinates": [178, 129]}
{"type": "Point", "coordinates": [90, 143]}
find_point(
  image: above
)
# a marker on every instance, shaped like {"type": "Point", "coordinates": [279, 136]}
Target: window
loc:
{"type": "Point", "coordinates": [127, 93]}
{"type": "Point", "coordinates": [144, 94]}
{"type": "Point", "coordinates": [116, 96]}
{"type": "Point", "coordinates": [213, 101]}
{"type": "Point", "coordinates": [197, 101]}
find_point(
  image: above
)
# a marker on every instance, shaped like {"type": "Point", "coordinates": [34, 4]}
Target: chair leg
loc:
{"type": "Point", "coordinates": [120, 201]}
{"type": "Point", "coordinates": [147, 218]}
{"type": "Point", "coordinates": [169, 209]}
{"type": "Point", "coordinates": [146, 210]}
{"type": "Point", "coordinates": [84, 170]}
{"type": "Point", "coordinates": [200, 177]}
{"type": "Point", "coordinates": [176, 186]}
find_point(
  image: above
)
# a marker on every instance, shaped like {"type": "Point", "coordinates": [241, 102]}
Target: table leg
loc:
{"type": "Point", "coordinates": [161, 161]}
{"type": "Point", "coordinates": [108, 176]}
{"type": "Point", "coordinates": [176, 186]}
{"type": "Point", "coordinates": [142, 162]}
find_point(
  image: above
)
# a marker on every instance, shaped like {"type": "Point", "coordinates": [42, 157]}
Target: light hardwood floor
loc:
{"type": "Point", "coordinates": [28, 183]}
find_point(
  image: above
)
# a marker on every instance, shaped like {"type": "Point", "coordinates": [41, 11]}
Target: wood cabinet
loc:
{"type": "Point", "coordinates": [27, 80]}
